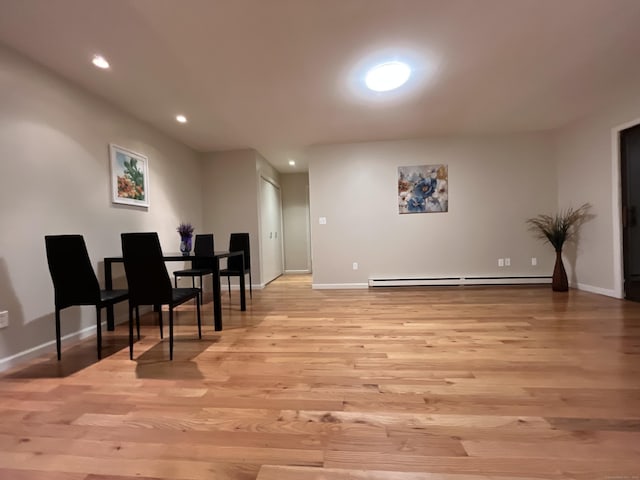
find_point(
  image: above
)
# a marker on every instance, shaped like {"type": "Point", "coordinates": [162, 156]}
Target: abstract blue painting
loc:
{"type": "Point", "coordinates": [423, 189]}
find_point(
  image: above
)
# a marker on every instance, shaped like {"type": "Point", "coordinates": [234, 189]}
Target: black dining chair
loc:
{"type": "Point", "coordinates": [75, 282]}
{"type": "Point", "coordinates": [238, 242]}
{"type": "Point", "coordinates": [200, 265]}
{"type": "Point", "coordinates": [150, 284]}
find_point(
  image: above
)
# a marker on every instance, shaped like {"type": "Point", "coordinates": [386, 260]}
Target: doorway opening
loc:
{"type": "Point", "coordinates": [629, 141]}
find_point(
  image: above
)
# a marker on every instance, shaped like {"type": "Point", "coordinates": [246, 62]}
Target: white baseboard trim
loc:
{"type": "Point", "coordinates": [338, 286]}
{"type": "Point", "coordinates": [601, 291]}
{"type": "Point", "coordinates": [297, 272]}
{"type": "Point", "coordinates": [457, 280]}
{"type": "Point", "coordinates": [33, 352]}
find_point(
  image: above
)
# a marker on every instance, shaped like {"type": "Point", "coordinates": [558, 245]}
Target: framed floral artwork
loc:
{"type": "Point", "coordinates": [129, 177]}
{"type": "Point", "coordinates": [423, 189]}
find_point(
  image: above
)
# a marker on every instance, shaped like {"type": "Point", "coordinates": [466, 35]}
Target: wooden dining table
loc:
{"type": "Point", "coordinates": [179, 257]}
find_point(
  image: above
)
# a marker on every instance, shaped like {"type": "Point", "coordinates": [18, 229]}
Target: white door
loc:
{"type": "Point", "coordinates": [270, 231]}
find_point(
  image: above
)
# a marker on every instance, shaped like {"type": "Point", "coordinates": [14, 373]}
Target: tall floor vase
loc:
{"type": "Point", "coordinates": [559, 281]}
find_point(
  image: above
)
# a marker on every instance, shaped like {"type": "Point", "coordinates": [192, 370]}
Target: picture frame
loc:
{"type": "Point", "coordinates": [129, 177]}
{"type": "Point", "coordinates": [423, 189]}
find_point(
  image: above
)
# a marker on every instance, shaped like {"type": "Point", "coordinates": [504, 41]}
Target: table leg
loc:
{"type": "Point", "coordinates": [243, 299]}
{"type": "Point", "coordinates": [217, 303]}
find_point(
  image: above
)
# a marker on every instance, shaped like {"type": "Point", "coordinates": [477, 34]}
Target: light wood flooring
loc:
{"type": "Point", "coordinates": [434, 383]}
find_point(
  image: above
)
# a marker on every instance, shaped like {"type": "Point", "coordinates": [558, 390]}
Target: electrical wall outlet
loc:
{"type": "Point", "coordinates": [322, 220]}
{"type": "Point", "coordinates": [4, 319]}
{"type": "Point", "coordinates": [501, 262]}
{"type": "Point", "coordinates": [534, 261]}
{"type": "Point", "coordinates": [355, 265]}
{"type": "Point", "coordinates": [507, 262]}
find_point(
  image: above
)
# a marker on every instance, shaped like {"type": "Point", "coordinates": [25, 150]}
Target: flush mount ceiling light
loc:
{"type": "Point", "coordinates": [181, 118]}
{"type": "Point", "coordinates": [100, 62]}
{"type": "Point", "coordinates": [292, 163]}
{"type": "Point", "coordinates": [387, 76]}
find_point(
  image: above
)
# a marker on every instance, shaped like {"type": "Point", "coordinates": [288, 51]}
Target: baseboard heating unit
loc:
{"type": "Point", "coordinates": [456, 281]}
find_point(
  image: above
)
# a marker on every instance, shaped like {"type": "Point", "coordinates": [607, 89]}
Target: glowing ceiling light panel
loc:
{"type": "Point", "coordinates": [100, 62]}
{"type": "Point", "coordinates": [387, 76]}
{"type": "Point", "coordinates": [181, 118]}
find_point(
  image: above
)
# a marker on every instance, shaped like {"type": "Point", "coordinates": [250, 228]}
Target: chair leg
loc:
{"type": "Point", "coordinates": [193, 284]}
{"type": "Point", "coordinates": [131, 332]}
{"type": "Point", "coordinates": [250, 285]}
{"type": "Point", "coordinates": [58, 340]}
{"type": "Point", "coordinates": [160, 322]}
{"type": "Point", "coordinates": [138, 321]}
{"type": "Point", "coordinates": [175, 281]}
{"type": "Point", "coordinates": [99, 331]}
{"type": "Point", "coordinates": [170, 332]}
{"type": "Point", "coordinates": [229, 286]}
{"type": "Point", "coordinates": [198, 316]}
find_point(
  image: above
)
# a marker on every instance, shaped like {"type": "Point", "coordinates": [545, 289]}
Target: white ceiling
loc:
{"type": "Point", "coordinates": [281, 75]}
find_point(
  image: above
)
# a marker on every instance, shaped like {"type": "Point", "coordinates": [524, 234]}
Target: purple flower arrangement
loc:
{"type": "Point", "coordinates": [185, 230]}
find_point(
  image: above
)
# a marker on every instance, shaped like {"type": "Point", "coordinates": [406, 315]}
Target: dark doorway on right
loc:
{"type": "Point", "coordinates": [630, 178]}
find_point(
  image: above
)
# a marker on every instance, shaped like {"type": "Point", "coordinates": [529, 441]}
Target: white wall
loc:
{"type": "Point", "coordinates": [230, 199]}
{"type": "Point", "coordinates": [587, 154]}
{"type": "Point", "coordinates": [55, 178]}
{"type": "Point", "coordinates": [495, 184]}
{"type": "Point", "coordinates": [295, 213]}
{"type": "Point", "coordinates": [230, 182]}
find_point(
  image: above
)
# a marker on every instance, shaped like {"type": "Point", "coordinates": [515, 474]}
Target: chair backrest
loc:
{"type": "Point", "coordinates": [147, 276]}
{"type": "Point", "coordinates": [74, 280]}
{"type": "Point", "coordinates": [203, 248]}
{"type": "Point", "coordinates": [239, 241]}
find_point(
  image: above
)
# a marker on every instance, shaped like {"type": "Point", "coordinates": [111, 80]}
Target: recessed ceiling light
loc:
{"type": "Point", "coordinates": [292, 162]}
{"type": "Point", "coordinates": [181, 118]}
{"type": "Point", "coordinates": [388, 76]}
{"type": "Point", "coordinates": [100, 62]}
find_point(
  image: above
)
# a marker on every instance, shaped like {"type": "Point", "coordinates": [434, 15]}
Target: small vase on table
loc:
{"type": "Point", "coordinates": [185, 230]}
{"type": "Point", "coordinates": [185, 245]}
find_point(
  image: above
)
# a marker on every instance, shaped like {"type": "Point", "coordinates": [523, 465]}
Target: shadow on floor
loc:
{"type": "Point", "coordinates": [155, 363]}
{"type": "Point", "coordinates": [74, 359]}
